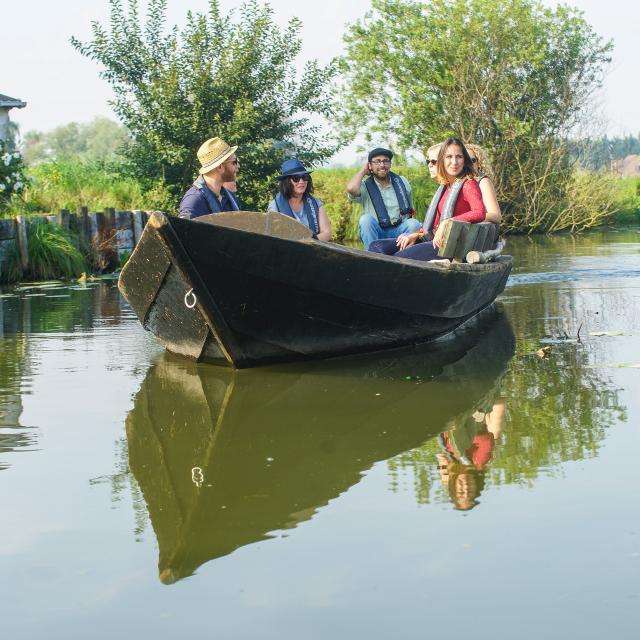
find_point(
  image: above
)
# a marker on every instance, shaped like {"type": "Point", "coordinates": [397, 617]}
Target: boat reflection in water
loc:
{"type": "Point", "coordinates": [226, 458]}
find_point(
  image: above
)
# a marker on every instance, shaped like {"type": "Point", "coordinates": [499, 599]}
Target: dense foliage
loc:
{"type": "Point", "coordinates": [511, 75]}
{"type": "Point", "coordinates": [218, 76]}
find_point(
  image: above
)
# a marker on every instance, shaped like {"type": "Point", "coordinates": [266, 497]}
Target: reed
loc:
{"type": "Point", "coordinates": [53, 253]}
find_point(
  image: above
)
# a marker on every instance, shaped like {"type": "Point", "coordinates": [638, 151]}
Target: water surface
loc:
{"type": "Point", "coordinates": [473, 487]}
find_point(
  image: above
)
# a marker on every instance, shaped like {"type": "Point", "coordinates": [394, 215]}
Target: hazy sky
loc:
{"type": "Point", "coordinates": [39, 66]}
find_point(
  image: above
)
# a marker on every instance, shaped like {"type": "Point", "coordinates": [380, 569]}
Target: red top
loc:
{"type": "Point", "coordinates": [469, 206]}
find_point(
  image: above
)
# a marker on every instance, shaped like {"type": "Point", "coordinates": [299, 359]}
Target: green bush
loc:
{"type": "Point", "coordinates": [628, 201]}
{"type": "Point", "coordinates": [12, 179]}
{"type": "Point", "coordinates": [53, 253]}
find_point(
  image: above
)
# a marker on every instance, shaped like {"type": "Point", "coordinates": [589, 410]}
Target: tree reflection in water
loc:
{"type": "Point", "coordinates": [557, 409]}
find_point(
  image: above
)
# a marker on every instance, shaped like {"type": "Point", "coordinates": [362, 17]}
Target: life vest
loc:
{"type": "Point", "coordinates": [310, 209]}
{"type": "Point", "coordinates": [449, 206]}
{"type": "Point", "coordinates": [212, 201]}
{"type": "Point", "coordinates": [378, 203]}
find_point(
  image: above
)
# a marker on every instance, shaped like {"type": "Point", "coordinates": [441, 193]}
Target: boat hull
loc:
{"type": "Point", "coordinates": [268, 292]}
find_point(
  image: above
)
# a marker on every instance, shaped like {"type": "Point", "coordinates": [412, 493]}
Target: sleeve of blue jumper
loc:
{"type": "Point", "coordinates": [193, 205]}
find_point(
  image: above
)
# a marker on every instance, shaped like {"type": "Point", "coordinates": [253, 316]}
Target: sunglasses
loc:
{"type": "Point", "coordinates": [431, 162]}
{"type": "Point", "coordinates": [234, 161]}
{"type": "Point", "coordinates": [296, 179]}
{"type": "Point", "coordinates": [474, 160]}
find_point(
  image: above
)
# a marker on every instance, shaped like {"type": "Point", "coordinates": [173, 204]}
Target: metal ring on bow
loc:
{"type": "Point", "coordinates": [187, 302]}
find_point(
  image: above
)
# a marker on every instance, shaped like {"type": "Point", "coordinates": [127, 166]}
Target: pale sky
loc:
{"type": "Point", "coordinates": [39, 66]}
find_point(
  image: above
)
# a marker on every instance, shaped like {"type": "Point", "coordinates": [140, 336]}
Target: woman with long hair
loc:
{"type": "Point", "coordinates": [484, 177]}
{"type": "Point", "coordinates": [458, 196]}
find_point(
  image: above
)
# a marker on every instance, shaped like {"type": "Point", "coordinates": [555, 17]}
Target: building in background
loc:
{"type": "Point", "coordinates": [6, 104]}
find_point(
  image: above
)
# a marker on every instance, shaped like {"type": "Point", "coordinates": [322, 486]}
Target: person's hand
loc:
{"type": "Point", "coordinates": [437, 238]}
{"type": "Point", "coordinates": [365, 167]}
{"type": "Point", "coordinates": [406, 240]}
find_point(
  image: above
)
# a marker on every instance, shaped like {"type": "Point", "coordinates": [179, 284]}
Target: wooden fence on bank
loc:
{"type": "Point", "coordinates": [108, 234]}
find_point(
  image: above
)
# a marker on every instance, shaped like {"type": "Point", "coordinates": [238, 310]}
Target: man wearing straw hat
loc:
{"type": "Point", "coordinates": [207, 194]}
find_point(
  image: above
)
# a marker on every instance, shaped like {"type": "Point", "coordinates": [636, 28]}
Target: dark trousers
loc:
{"type": "Point", "coordinates": [418, 251]}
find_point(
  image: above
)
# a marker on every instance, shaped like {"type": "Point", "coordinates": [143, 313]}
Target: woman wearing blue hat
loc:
{"type": "Point", "coordinates": [294, 199]}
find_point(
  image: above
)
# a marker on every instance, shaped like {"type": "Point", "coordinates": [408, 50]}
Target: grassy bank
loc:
{"type": "Point", "coordinates": [69, 184]}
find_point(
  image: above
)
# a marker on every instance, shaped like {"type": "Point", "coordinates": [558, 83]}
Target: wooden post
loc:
{"type": "Point", "coordinates": [124, 233]}
{"type": "Point", "coordinates": [138, 225]}
{"type": "Point", "coordinates": [23, 246]}
{"type": "Point", "coordinates": [63, 218]}
{"type": "Point", "coordinates": [83, 223]}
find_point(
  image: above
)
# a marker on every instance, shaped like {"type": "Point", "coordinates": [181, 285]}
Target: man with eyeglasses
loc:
{"type": "Point", "coordinates": [207, 194]}
{"type": "Point", "coordinates": [386, 198]}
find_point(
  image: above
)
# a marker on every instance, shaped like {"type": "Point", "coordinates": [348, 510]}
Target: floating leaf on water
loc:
{"type": "Point", "coordinates": [615, 365]}
{"type": "Point", "coordinates": [598, 334]}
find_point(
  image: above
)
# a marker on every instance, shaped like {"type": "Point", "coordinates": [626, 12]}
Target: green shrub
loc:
{"type": "Point", "coordinates": [628, 201]}
{"type": "Point", "coordinates": [12, 178]}
{"type": "Point", "coordinates": [53, 253]}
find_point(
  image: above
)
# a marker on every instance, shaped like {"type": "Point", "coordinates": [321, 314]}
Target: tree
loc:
{"type": "Point", "coordinates": [215, 77]}
{"type": "Point", "coordinates": [511, 75]}
{"type": "Point", "coordinates": [100, 139]}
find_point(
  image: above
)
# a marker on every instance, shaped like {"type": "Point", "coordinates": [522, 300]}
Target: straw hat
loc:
{"type": "Point", "coordinates": [213, 153]}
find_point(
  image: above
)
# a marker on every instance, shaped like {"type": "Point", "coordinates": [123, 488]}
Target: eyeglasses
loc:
{"type": "Point", "coordinates": [296, 179]}
{"type": "Point", "coordinates": [234, 161]}
{"type": "Point", "coordinates": [431, 162]}
{"type": "Point", "coordinates": [381, 161]}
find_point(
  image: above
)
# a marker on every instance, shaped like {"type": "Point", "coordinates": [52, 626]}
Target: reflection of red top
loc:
{"type": "Point", "coordinates": [480, 450]}
{"type": "Point", "coordinates": [469, 206]}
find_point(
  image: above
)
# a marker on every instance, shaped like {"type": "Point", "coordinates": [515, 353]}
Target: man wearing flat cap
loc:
{"type": "Point", "coordinates": [386, 198]}
{"type": "Point", "coordinates": [207, 194]}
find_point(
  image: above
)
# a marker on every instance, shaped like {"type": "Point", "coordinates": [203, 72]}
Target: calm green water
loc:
{"type": "Point", "coordinates": [473, 488]}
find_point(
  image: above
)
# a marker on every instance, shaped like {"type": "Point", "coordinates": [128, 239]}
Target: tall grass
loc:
{"type": "Point", "coordinates": [53, 253]}
{"type": "Point", "coordinates": [68, 184]}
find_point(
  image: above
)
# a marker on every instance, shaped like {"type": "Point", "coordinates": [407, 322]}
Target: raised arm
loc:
{"type": "Point", "coordinates": [353, 186]}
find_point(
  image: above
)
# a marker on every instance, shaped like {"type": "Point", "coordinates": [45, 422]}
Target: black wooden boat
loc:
{"type": "Point", "coordinates": [250, 288]}
{"type": "Point", "coordinates": [228, 458]}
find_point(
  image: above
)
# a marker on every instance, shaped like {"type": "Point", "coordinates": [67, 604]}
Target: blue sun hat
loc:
{"type": "Point", "coordinates": [292, 167]}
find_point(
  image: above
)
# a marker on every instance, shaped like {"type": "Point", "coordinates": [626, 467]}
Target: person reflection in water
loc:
{"type": "Point", "coordinates": [467, 449]}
